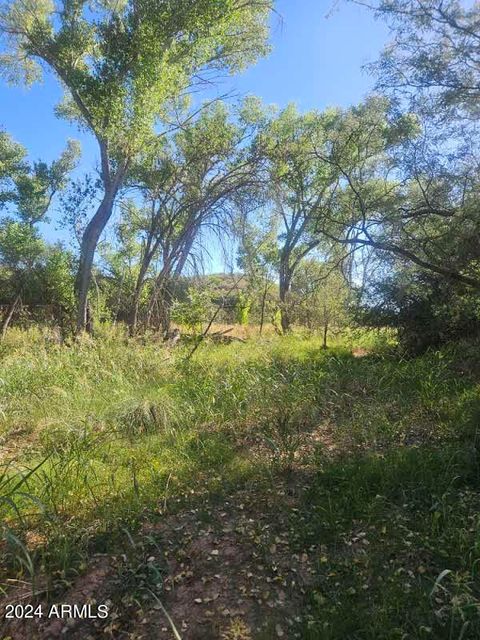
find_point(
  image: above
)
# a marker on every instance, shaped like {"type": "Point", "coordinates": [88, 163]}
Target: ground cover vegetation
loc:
{"type": "Point", "coordinates": [289, 448]}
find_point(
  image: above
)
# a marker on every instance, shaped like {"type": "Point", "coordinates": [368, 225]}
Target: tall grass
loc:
{"type": "Point", "coordinates": [111, 431]}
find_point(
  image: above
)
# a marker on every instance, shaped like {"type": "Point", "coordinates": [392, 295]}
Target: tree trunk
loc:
{"type": "Point", "coordinates": [119, 300]}
{"type": "Point", "coordinates": [285, 278]}
{"type": "Point", "coordinates": [262, 315]}
{"type": "Point", "coordinates": [87, 252]}
{"type": "Point", "coordinates": [166, 310]}
{"type": "Point", "coordinates": [164, 301]}
{"type": "Point", "coordinates": [173, 264]}
{"type": "Point", "coordinates": [151, 248]}
{"type": "Point", "coordinates": [89, 319]}
{"type": "Point", "coordinates": [157, 291]}
{"type": "Point", "coordinates": [9, 315]}
{"type": "Point", "coordinates": [325, 332]}
{"type": "Point", "coordinates": [133, 320]}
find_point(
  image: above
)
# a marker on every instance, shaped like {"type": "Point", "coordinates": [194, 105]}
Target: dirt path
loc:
{"type": "Point", "coordinates": [228, 569]}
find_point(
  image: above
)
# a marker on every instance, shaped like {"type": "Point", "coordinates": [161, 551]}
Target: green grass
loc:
{"type": "Point", "coordinates": [395, 523]}
{"type": "Point", "coordinates": [100, 436]}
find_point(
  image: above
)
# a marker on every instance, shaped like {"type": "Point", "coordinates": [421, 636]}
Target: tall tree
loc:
{"type": "Point", "coordinates": [321, 297]}
{"type": "Point", "coordinates": [189, 185]}
{"type": "Point", "coordinates": [258, 258]}
{"type": "Point", "coordinates": [302, 186]}
{"type": "Point", "coordinates": [122, 63]}
{"type": "Point", "coordinates": [391, 202]}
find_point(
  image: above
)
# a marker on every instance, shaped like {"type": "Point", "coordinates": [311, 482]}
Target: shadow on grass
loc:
{"type": "Point", "coordinates": [399, 539]}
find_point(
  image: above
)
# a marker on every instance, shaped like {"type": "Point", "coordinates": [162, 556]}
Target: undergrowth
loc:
{"type": "Point", "coordinates": [100, 435]}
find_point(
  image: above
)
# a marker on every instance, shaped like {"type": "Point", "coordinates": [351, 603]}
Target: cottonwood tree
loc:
{"type": "Point", "coordinates": [29, 188]}
{"type": "Point", "coordinates": [396, 197]}
{"type": "Point", "coordinates": [430, 284]}
{"type": "Point", "coordinates": [189, 186]}
{"type": "Point", "coordinates": [432, 66]}
{"type": "Point", "coordinates": [258, 258]}
{"type": "Point", "coordinates": [121, 64]}
{"type": "Point", "coordinates": [302, 187]}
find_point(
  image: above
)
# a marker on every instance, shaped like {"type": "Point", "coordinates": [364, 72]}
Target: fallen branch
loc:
{"type": "Point", "coordinates": [212, 319]}
{"type": "Point", "coordinates": [221, 333]}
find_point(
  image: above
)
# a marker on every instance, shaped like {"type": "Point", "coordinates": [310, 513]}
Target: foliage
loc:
{"type": "Point", "coordinates": [30, 188]}
{"type": "Point", "coordinates": [429, 262]}
{"type": "Point", "coordinates": [320, 297]}
{"type": "Point", "coordinates": [243, 307]}
{"type": "Point", "coordinates": [29, 268]}
{"type": "Point", "coordinates": [195, 311]}
{"type": "Point", "coordinates": [189, 182]}
{"type": "Point", "coordinates": [122, 63]}
{"type": "Point", "coordinates": [12, 164]}
{"type": "Point", "coordinates": [125, 67]}
{"type": "Point", "coordinates": [301, 189]}
{"type": "Point", "coordinates": [257, 257]}
{"type": "Point", "coordinates": [427, 310]}
{"type": "Point", "coordinates": [342, 485]}
{"type": "Point", "coordinates": [434, 53]}
{"type": "Point", "coordinates": [41, 274]}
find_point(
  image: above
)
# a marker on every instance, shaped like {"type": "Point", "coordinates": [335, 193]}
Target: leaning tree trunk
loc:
{"type": "Point", "coordinates": [167, 301]}
{"type": "Point", "coordinates": [173, 266]}
{"type": "Point", "coordinates": [157, 291]}
{"type": "Point", "coordinates": [150, 251]}
{"type": "Point", "coordinates": [9, 315]}
{"type": "Point", "coordinates": [178, 264]}
{"type": "Point", "coordinates": [162, 300]}
{"type": "Point", "coordinates": [133, 320]}
{"type": "Point", "coordinates": [90, 240]}
{"type": "Point", "coordinates": [171, 277]}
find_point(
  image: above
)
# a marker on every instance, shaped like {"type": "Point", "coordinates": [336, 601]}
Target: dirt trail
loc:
{"type": "Point", "coordinates": [230, 572]}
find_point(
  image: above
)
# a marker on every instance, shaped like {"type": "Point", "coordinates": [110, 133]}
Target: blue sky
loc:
{"type": "Point", "coordinates": [319, 47]}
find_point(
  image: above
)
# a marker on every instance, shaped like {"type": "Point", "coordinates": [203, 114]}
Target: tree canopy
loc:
{"type": "Point", "coordinates": [125, 66]}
